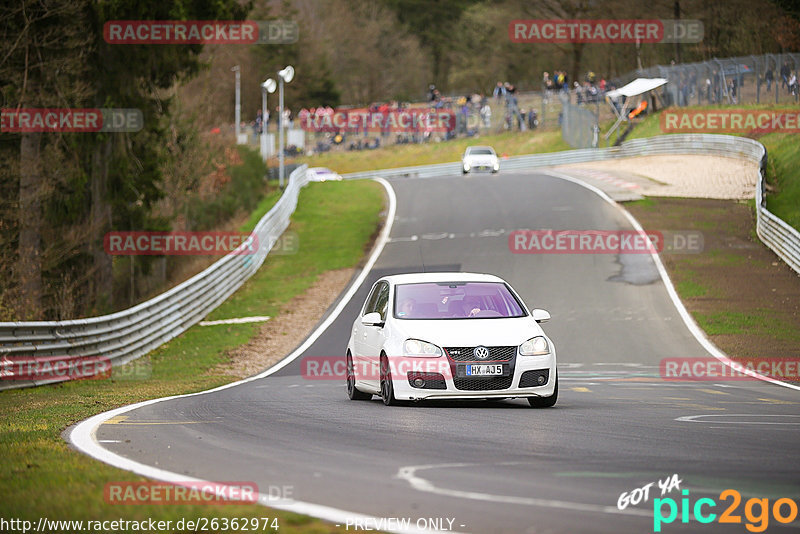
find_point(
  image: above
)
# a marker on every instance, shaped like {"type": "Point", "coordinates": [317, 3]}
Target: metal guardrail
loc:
{"type": "Point", "coordinates": [783, 239]}
{"type": "Point", "coordinates": [63, 347]}
{"type": "Point", "coordinates": [129, 334]}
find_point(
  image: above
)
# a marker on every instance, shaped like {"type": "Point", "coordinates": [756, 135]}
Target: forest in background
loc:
{"type": "Point", "coordinates": [61, 193]}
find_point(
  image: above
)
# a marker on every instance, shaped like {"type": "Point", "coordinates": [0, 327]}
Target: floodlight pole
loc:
{"type": "Point", "coordinates": [280, 133]}
{"type": "Point", "coordinates": [284, 75]}
{"type": "Point", "coordinates": [238, 108]}
{"type": "Point", "coordinates": [263, 138]}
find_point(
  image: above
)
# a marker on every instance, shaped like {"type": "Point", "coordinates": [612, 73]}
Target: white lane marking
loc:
{"type": "Point", "coordinates": [693, 419]}
{"type": "Point", "coordinates": [435, 236]}
{"type": "Point", "coordinates": [409, 474]}
{"type": "Point", "coordinates": [84, 435]}
{"type": "Point", "coordinates": [696, 331]}
{"type": "Point", "coordinates": [491, 233]}
{"type": "Point", "coordinates": [108, 441]}
{"type": "Point", "coordinates": [238, 320]}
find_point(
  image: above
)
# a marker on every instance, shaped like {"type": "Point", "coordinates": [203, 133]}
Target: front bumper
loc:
{"type": "Point", "coordinates": [529, 367]}
{"type": "Point", "coordinates": [482, 165]}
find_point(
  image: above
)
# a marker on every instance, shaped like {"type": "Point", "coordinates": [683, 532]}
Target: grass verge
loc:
{"type": "Point", "coordinates": [334, 222]}
{"type": "Point", "coordinates": [741, 295]}
{"type": "Point", "coordinates": [783, 176]}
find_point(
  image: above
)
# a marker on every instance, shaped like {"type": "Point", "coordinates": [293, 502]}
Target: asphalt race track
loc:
{"type": "Point", "coordinates": [500, 466]}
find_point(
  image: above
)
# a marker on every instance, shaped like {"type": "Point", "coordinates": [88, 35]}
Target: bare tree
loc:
{"type": "Point", "coordinates": [41, 55]}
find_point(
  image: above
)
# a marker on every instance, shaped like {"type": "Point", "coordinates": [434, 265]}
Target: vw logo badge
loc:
{"type": "Point", "coordinates": [481, 352]}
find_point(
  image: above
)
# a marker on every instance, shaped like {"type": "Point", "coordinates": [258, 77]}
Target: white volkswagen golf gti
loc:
{"type": "Point", "coordinates": [449, 336]}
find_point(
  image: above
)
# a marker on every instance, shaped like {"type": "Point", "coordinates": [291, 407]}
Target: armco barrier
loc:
{"type": "Point", "coordinates": [129, 334]}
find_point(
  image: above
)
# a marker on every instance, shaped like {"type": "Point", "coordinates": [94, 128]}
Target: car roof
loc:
{"type": "Point", "coordinates": [416, 278]}
{"type": "Point", "coordinates": [474, 147]}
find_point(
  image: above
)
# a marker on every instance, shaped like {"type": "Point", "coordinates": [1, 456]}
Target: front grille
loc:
{"type": "Point", "coordinates": [432, 380]}
{"type": "Point", "coordinates": [530, 379]}
{"type": "Point", "coordinates": [496, 354]}
{"type": "Point", "coordinates": [483, 383]}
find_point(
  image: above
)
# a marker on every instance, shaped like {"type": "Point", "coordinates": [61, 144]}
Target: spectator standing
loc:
{"type": "Point", "coordinates": [303, 116]}
{"type": "Point", "coordinates": [486, 115]}
{"type": "Point", "coordinates": [464, 110]}
{"type": "Point", "coordinates": [257, 126]}
{"type": "Point", "coordinates": [769, 77]}
{"type": "Point", "coordinates": [785, 74]}
{"type": "Point", "coordinates": [512, 109]}
{"type": "Point", "coordinates": [547, 86]}
{"type": "Point", "coordinates": [499, 91]}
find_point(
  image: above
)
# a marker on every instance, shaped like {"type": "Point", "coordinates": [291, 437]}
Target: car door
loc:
{"type": "Point", "coordinates": [373, 336]}
{"type": "Point", "coordinates": [360, 334]}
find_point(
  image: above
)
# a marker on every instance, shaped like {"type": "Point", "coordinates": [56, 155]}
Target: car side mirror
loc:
{"type": "Point", "coordinates": [372, 319]}
{"type": "Point", "coordinates": [540, 316]}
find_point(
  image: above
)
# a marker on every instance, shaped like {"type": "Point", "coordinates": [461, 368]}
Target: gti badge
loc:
{"type": "Point", "coordinates": [481, 352]}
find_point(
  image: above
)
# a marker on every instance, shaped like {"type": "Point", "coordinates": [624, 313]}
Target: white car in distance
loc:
{"type": "Point", "coordinates": [479, 158]}
{"type": "Point", "coordinates": [449, 336]}
{"type": "Point", "coordinates": [322, 174]}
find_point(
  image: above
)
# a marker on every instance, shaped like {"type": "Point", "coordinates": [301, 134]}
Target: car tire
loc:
{"type": "Point", "coordinates": [463, 171]}
{"type": "Point", "coordinates": [387, 388]}
{"type": "Point", "coordinates": [545, 402]}
{"type": "Point", "coordinates": [353, 392]}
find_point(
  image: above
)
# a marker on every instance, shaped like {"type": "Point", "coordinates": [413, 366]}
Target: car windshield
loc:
{"type": "Point", "coordinates": [455, 300]}
{"type": "Point", "coordinates": [480, 152]}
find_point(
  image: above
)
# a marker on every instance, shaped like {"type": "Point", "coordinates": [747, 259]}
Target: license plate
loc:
{"type": "Point", "coordinates": [495, 369]}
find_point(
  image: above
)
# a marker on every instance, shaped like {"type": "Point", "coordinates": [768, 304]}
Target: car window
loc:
{"type": "Point", "coordinates": [480, 152]}
{"type": "Point", "coordinates": [382, 302]}
{"type": "Point", "coordinates": [372, 299]}
{"type": "Point", "coordinates": [455, 300]}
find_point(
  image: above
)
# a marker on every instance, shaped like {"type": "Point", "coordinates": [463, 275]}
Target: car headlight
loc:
{"type": "Point", "coordinates": [415, 347]}
{"type": "Point", "coordinates": [536, 346]}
